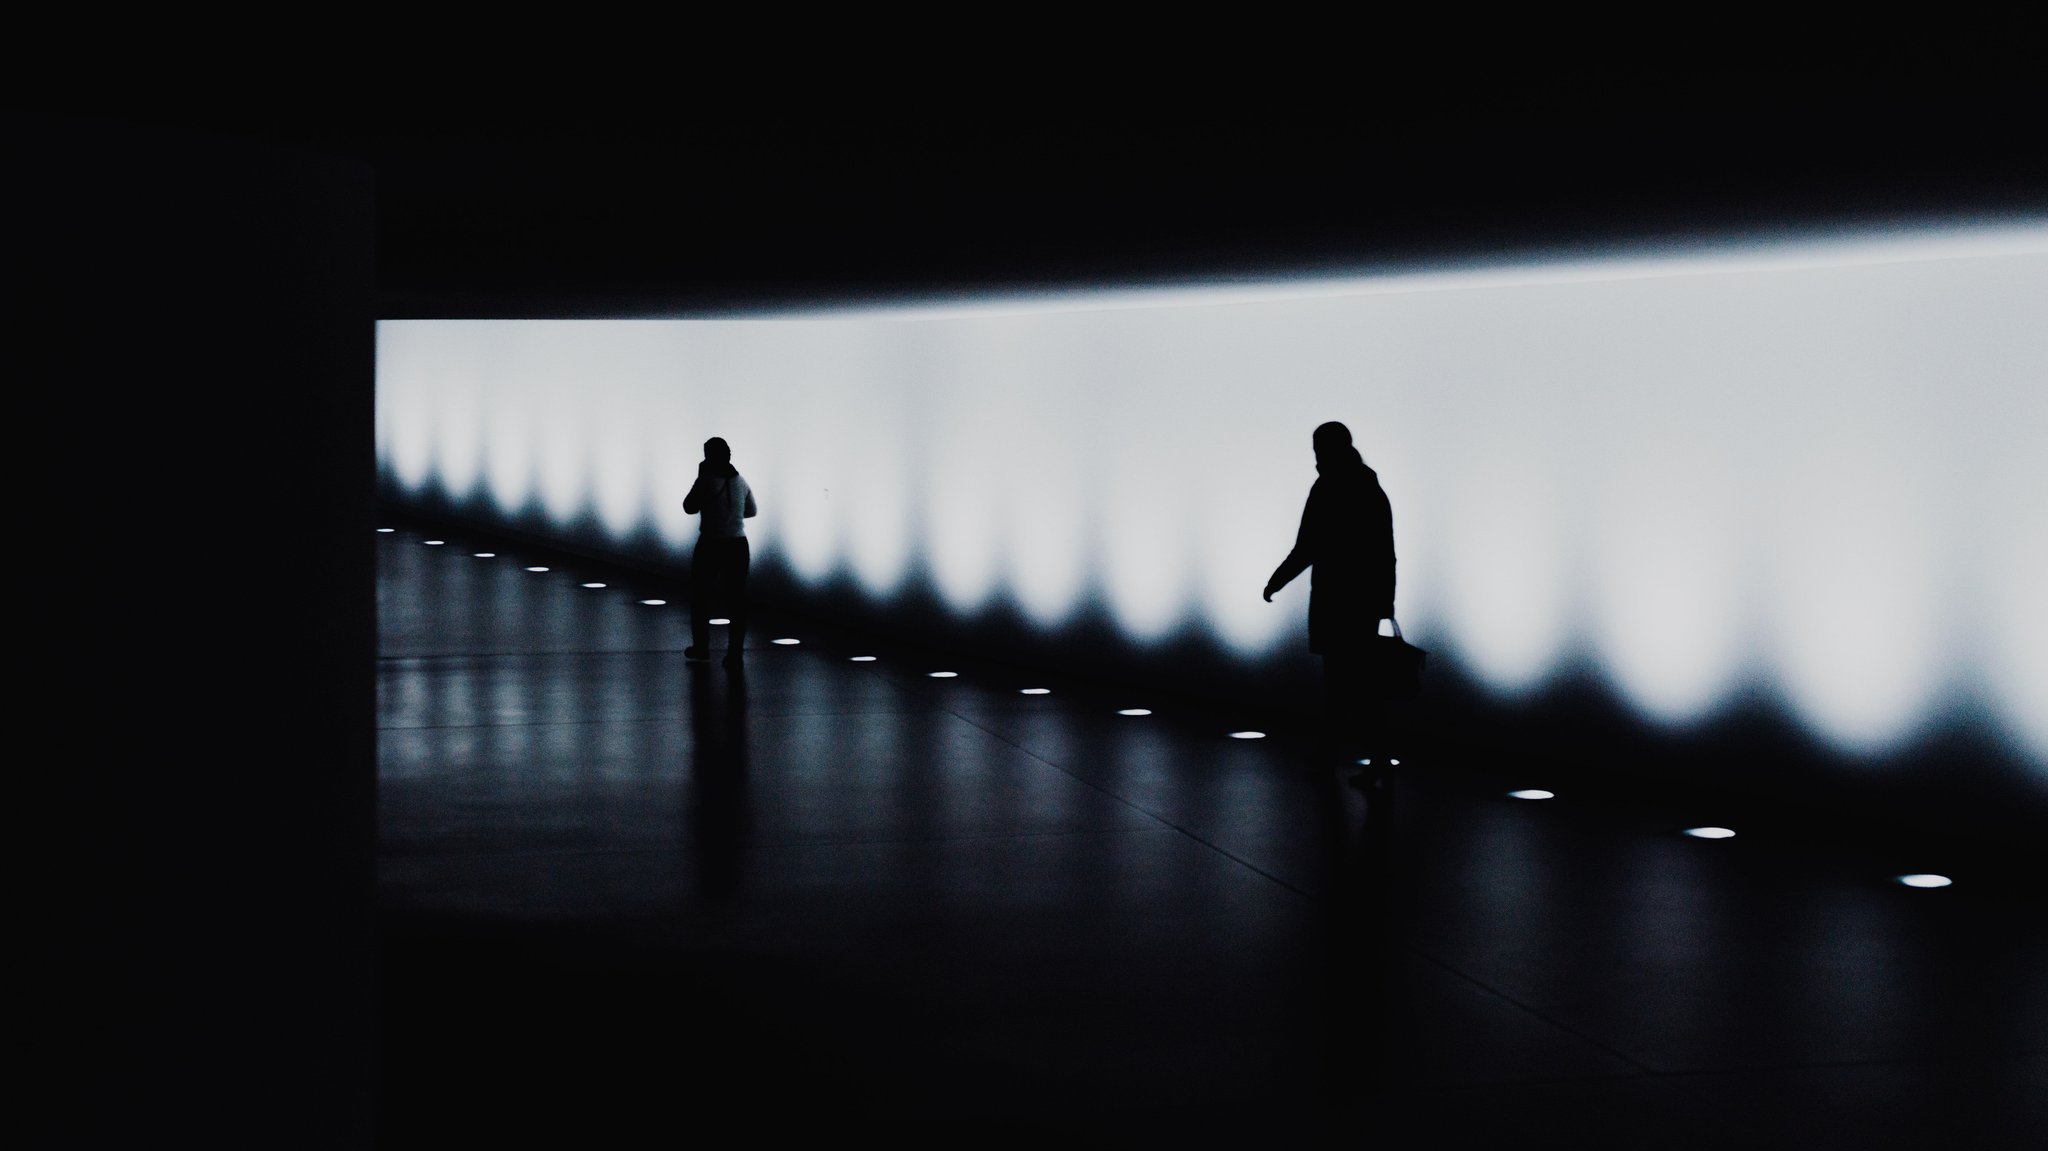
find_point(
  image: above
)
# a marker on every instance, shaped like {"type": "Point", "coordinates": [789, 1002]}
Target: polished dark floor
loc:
{"type": "Point", "coordinates": [629, 901]}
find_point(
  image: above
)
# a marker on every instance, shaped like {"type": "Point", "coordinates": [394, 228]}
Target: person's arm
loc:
{"type": "Point", "coordinates": [694, 502]}
{"type": "Point", "coordinates": [751, 511]}
{"type": "Point", "coordinates": [1303, 555]}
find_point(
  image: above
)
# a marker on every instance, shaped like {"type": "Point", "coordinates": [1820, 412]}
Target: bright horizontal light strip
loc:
{"type": "Point", "coordinates": [1533, 793]}
{"type": "Point", "coordinates": [786, 641]}
{"type": "Point", "coordinates": [1135, 711]}
{"type": "Point", "coordinates": [654, 602]}
{"type": "Point", "coordinates": [1247, 735]}
{"type": "Point", "coordinates": [486, 555]}
{"type": "Point", "coordinates": [593, 584]}
{"type": "Point", "coordinates": [862, 659]}
{"type": "Point", "coordinates": [1034, 691]}
{"type": "Point", "coordinates": [385, 531]}
{"type": "Point", "coordinates": [1803, 468]}
{"type": "Point", "coordinates": [944, 675]}
{"type": "Point", "coordinates": [536, 568]}
{"type": "Point", "coordinates": [1710, 833]}
{"type": "Point", "coordinates": [718, 622]}
{"type": "Point", "coordinates": [433, 543]}
{"type": "Point", "coordinates": [1925, 880]}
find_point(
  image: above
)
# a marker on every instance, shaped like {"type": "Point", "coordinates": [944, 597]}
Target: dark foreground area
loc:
{"type": "Point", "coordinates": [627, 900]}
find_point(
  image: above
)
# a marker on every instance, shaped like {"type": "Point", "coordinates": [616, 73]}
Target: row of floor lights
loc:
{"type": "Point", "coordinates": [789, 642]}
{"type": "Point", "coordinates": [543, 567]}
{"type": "Point", "coordinates": [1130, 711]}
{"type": "Point", "coordinates": [1920, 880]}
{"type": "Point", "coordinates": [538, 568]}
{"type": "Point", "coordinates": [1923, 880]}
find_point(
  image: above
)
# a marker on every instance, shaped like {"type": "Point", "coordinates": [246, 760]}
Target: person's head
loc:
{"type": "Point", "coordinates": [1331, 439]}
{"type": "Point", "coordinates": [1334, 448]}
{"type": "Point", "coordinates": [717, 450]}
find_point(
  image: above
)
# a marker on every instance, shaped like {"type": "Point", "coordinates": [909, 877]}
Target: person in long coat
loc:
{"type": "Point", "coordinates": [718, 568]}
{"type": "Point", "coordinates": [1346, 542]}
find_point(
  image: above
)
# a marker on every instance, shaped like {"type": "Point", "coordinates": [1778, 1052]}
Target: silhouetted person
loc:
{"type": "Point", "coordinates": [1347, 537]}
{"type": "Point", "coordinates": [718, 568]}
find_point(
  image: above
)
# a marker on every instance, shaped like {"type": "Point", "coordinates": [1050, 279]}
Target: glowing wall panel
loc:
{"type": "Point", "coordinates": [1814, 469]}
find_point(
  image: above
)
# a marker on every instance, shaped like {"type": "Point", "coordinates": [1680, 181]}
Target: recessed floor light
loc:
{"type": "Point", "coordinates": [654, 602]}
{"type": "Point", "coordinates": [945, 674]}
{"type": "Point", "coordinates": [487, 555]}
{"type": "Point", "coordinates": [1247, 735]}
{"type": "Point", "coordinates": [1034, 691]}
{"type": "Point", "coordinates": [863, 659]}
{"type": "Point", "coordinates": [385, 531]}
{"type": "Point", "coordinates": [718, 622]}
{"type": "Point", "coordinates": [536, 569]}
{"type": "Point", "coordinates": [1925, 880]}
{"type": "Point", "coordinates": [593, 583]}
{"type": "Point", "coordinates": [1710, 833]}
{"type": "Point", "coordinates": [1393, 763]}
{"type": "Point", "coordinates": [433, 543]}
{"type": "Point", "coordinates": [1365, 763]}
{"type": "Point", "coordinates": [786, 641]}
{"type": "Point", "coordinates": [1533, 793]}
{"type": "Point", "coordinates": [1135, 711]}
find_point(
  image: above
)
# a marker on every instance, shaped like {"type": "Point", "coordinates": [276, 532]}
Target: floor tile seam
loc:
{"type": "Point", "coordinates": [1455, 1086]}
{"type": "Point", "coordinates": [778, 845]}
{"type": "Point", "coordinates": [1679, 1075]}
{"type": "Point", "coordinates": [1449, 968]}
{"type": "Point", "coordinates": [2019, 1056]}
{"type": "Point", "coordinates": [1153, 815]}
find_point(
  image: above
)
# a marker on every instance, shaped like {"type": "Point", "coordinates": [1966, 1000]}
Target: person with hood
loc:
{"type": "Point", "coordinates": [1347, 537]}
{"type": "Point", "coordinates": [718, 568]}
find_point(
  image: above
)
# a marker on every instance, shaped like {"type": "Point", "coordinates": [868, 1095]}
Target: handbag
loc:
{"type": "Point", "coordinates": [1395, 665]}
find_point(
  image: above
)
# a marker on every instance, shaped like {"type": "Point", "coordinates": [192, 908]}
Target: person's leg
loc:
{"type": "Point", "coordinates": [737, 563]}
{"type": "Point", "coordinates": [701, 580]}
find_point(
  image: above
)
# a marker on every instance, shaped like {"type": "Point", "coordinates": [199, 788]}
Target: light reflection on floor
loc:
{"type": "Point", "coordinates": [959, 901]}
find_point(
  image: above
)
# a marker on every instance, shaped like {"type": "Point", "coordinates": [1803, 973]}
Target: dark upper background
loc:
{"type": "Point", "coordinates": [532, 187]}
{"type": "Point", "coordinates": [536, 179]}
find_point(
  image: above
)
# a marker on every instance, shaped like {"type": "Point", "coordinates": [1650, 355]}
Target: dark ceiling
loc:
{"type": "Point", "coordinates": [495, 205]}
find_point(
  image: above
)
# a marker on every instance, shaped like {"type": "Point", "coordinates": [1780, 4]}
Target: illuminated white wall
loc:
{"type": "Point", "coordinates": [1814, 469]}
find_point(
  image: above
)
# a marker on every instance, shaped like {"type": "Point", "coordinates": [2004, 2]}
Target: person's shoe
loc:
{"type": "Point", "coordinates": [693, 654]}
